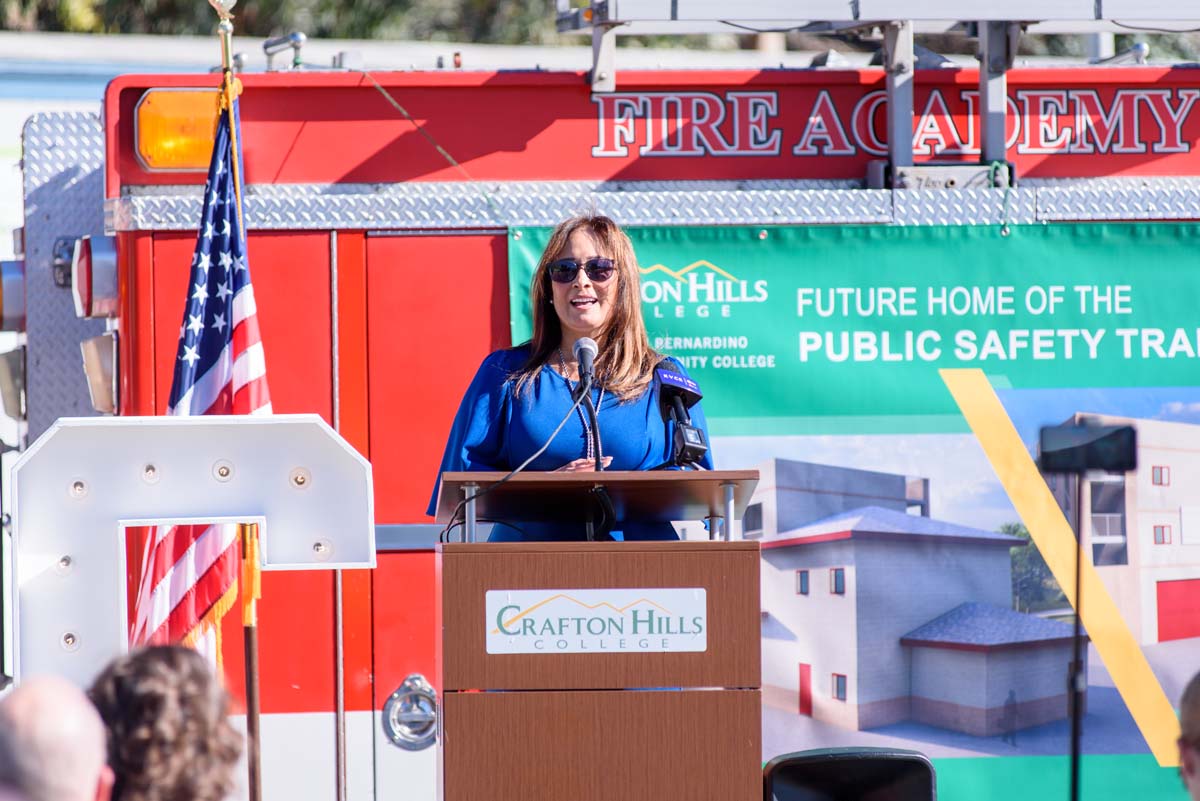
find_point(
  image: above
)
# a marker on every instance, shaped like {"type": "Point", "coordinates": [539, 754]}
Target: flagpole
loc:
{"type": "Point", "coordinates": [251, 591]}
{"type": "Point", "coordinates": [231, 87]}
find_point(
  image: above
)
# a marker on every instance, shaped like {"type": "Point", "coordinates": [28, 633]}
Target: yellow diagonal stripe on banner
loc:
{"type": "Point", "coordinates": [1054, 538]}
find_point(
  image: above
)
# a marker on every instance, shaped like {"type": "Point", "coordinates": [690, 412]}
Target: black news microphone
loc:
{"type": "Point", "coordinates": [676, 394]}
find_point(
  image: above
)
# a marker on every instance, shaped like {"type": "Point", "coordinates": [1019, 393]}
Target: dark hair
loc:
{"type": "Point", "coordinates": [168, 736]}
{"type": "Point", "coordinates": [1189, 712]}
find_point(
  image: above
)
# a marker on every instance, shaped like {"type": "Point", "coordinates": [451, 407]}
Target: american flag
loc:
{"type": "Point", "coordinates": [189, 573]}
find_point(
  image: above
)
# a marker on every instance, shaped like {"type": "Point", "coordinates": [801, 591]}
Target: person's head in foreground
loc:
{"type": "Point", "coordinates": [168, 735]}
{"type": "Point", "coordinates": [1189, 737]}
{"type": "Point", "coordinates": [51, 744]}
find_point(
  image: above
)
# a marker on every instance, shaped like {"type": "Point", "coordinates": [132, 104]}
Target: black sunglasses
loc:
{"type": "Point", "coordinates": [564, 271]}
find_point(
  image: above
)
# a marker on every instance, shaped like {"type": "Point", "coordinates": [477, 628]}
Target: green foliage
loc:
{"type": "Point", "coordinates": [1033, 585]}
{"type": "Point", "coordinates": [495, 21]}
{"type": "Point", "coordinates": [481, 21]}
{"type": "Point", "coordinates": [1164, 47]}
{"type": "Point", "coordinates": [32, 15]}
{"type": "Point", "coordinates": [156, 16]}
{"type": "Point", "coordinates": [78, 16]}
{"type": "Point", "coordinates": [484, 21]}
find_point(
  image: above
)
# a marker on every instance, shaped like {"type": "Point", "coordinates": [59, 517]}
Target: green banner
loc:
{"type": "Point", "coordinates": [811, 330]}
{"type": "Point", "coordinates": [843, 331]}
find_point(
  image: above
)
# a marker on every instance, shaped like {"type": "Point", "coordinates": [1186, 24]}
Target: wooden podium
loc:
{"type": "Point", "coordinates": [598, 671]}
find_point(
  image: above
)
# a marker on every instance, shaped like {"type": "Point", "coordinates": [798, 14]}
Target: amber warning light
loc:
{"type": "Point", "coordinates": [174, 129]}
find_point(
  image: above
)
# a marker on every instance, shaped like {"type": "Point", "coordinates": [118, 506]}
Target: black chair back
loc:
{"type": "Point", "coordinates": [850, 774]}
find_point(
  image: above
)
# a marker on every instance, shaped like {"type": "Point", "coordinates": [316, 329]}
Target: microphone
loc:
{"type": "Point", "coordinates": [676, 394]}
{"type": "Point", "coordinates": [585, 350]}
{"type": "Point", "coordinates": [676, 387]}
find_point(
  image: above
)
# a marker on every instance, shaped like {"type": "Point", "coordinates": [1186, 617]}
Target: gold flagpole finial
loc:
{"type": "Point", "coordinates": [225, 31]}
{"type": "Point", "coordinates": [231, 87]}
{"type": "Point", "coordinates": [223, 7]}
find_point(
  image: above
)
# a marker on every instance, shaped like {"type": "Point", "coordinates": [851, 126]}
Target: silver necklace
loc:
{"type": "Point", "coordinates": [587, 429]}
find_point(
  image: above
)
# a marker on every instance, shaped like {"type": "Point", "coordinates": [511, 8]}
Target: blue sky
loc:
{"type": "Point", "coordinates": [1030, 409]}
{"type": "Point", "coordinates": [962, 485]}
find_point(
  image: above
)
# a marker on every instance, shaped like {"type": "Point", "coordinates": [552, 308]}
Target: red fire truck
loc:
{"type": "Point", "coordinates": [380, 207]}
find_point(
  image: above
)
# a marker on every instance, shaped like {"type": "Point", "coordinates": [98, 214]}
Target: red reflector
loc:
{"type": "Point", "coordinates": [81, 277]}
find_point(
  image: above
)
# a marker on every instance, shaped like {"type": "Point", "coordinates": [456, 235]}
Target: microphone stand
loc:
{"type": "Point", "coordinates": [598, 492]}
{"type": "Point", "coordinates": [1077, 679]}
{"type": "Point", "coordinates": [595, 426]}
{"type": "Point", "coordinates": [584, 390]}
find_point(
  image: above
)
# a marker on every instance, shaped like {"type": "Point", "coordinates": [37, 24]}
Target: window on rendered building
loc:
{"type": "Point", "coordinates": [752, 521]}
{"type": "Point", "coordinates": [837, 580]}
{"type": "Point", "coordinates": [1108, 536]}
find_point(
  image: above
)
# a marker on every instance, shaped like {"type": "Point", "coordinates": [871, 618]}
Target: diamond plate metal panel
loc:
{"type": "Point", "coordinates": [964, 207]}
{"type": "Point", "coordinates": [1091, 202]}
{"type": "Point", "coordinates": [63, 186]}
{"type": "Point", "coordinates": [1129, 182]}
{"type": "Point", "coordinates": [449, 206]}
{"type": "Point", "coordinates": [459, 205]}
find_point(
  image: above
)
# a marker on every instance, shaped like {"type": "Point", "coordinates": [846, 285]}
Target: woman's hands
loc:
{"type": "Point", "coordinates": [583, 465]}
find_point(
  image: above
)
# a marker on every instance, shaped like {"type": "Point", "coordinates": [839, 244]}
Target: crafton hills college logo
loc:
{"type": "Point", "coordinates": [701, 289]}
{"type": "Point", "coordinates": [596, 620]}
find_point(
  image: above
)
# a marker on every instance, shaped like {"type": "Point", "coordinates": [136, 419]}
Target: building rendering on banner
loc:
{"type": "Point", "coordinates": [875, 613]}
{"type": "Point", "coordinates": [1143, 528]}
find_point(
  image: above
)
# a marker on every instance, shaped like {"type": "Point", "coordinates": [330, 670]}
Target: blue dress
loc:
{"type": "Point", "coordinates": [496, 430]}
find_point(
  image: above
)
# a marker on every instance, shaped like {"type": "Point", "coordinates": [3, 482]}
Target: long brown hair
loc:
{"type": "Point", "coordinates": [168, 734]}
{"type": "Point", "coordinates": [626, 362]}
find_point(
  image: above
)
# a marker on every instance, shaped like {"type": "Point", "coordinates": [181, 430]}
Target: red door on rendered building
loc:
{"type": "Point", "coordinates": [1178, 609]}
{"type": "Point", "coordinates": [806, 690]}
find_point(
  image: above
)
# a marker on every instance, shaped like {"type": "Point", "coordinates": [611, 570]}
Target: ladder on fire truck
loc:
{"type": "Point", "coordinates": [998, 27]}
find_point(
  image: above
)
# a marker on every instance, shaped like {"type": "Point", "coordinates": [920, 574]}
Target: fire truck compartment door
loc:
{"type": "Point", "coordinates": [86, 479]}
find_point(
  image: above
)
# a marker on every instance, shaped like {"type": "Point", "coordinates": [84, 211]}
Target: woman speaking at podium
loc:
{"type": "Point", "coordinates": [586, 285]}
